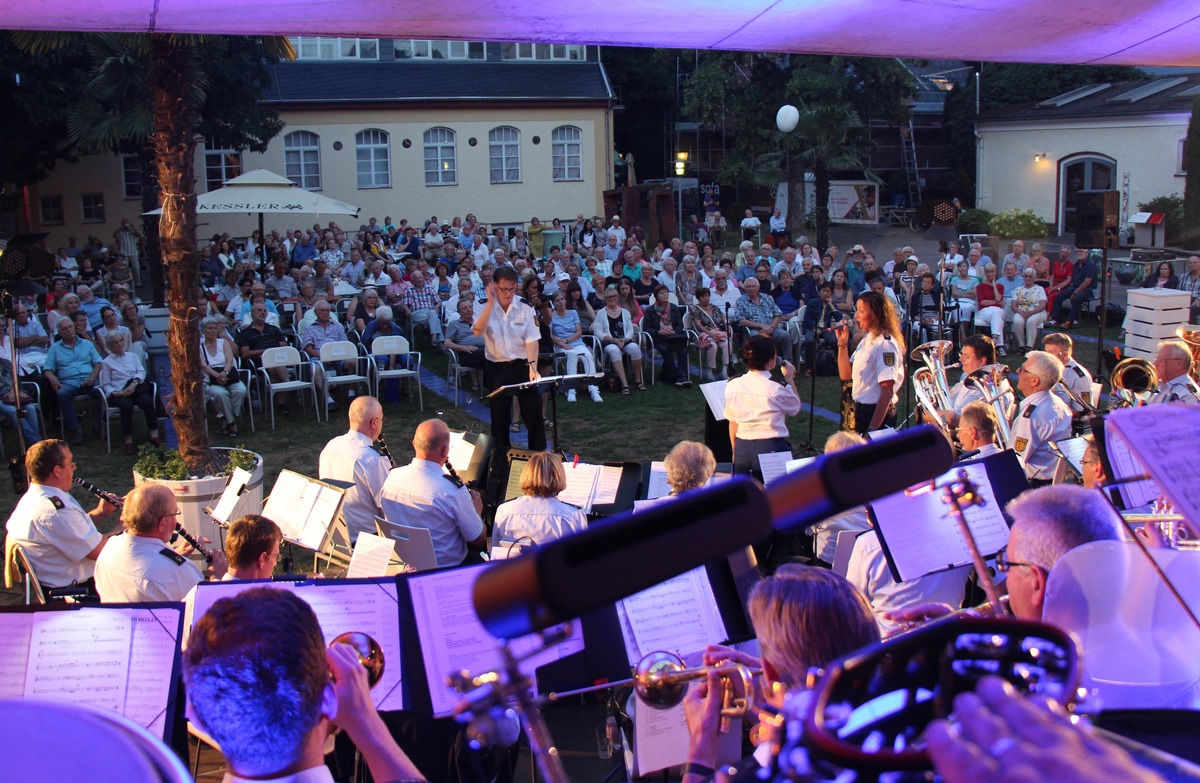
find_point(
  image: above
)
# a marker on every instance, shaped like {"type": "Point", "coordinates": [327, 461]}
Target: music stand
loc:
{"type": "Point", "coordinates": [554, 382]}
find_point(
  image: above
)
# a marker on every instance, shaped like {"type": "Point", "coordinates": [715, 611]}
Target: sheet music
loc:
{"type": "Point", "coordinates": [714, 395]}
{"type": "Point", "coordinates": [151, 658]}
{"type": "Point", "coordinates": [581, 484]}
{"type": "Point", "coordinates": [325, 506]}
{"type": "Point", "coordinates": [233, 492]}
{"type": "Point", "coordinates": [1125, 464]}
{"type": "Point", "coordinates": [679, 615]}
{"type": "Point", "coordinates": [16, 629]}
{"type": "Point", "coordinates": [660, 738]}
{"type": "Point", "coordinates": [56, 645]}
{"type": "Point", "coordinates": [881, 434]}
{"type": "Point", "coordinates": [461, 452]}
{"type": "Point", "coordinates": [657, 486]}
{"type": "Point", "coordinates": [774, 464]}
{"type": "Point", "coordinates": [371, 608]}
{"type": "Point", "coordinates": [921, 536]}
{"type": "Point", "coordinates": [607, 485]}
{"type": "Point", "coordinates": [290, 504]}
{"type": "Point", "coordinates": [795, 464]}
{"type": "Point", "coordinates": [1072, 450]}
{"type": "Point", "coordinates": [1166, 438]}
{"type": "Point", "coordinates": [513, 488]}
{"type": "Point", "coordinates": [372, 555]}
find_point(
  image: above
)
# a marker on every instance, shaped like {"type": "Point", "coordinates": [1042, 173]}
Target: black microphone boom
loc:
{"type": "Point", "coordinates": [623, 555]}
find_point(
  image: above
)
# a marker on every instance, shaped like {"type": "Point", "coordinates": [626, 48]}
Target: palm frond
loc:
{"type": "Point", "coordinates": [42, 41]}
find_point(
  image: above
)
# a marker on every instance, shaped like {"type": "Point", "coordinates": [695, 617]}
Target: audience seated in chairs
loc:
{"type": "Point", "coordinates": [123, 382]}
{"type": "Point", "coordinates": [614, 328]}
{"type": "Point", "coordinates": [223, 385]}
{"type": "Point", "coordinates": [663, 321]}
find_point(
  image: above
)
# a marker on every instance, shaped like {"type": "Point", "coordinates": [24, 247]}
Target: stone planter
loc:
{"type": "Point", "coordinates": [194, 495]}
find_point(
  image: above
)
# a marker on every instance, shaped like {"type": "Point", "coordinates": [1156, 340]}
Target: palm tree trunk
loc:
{"type": "Point", "coordinates": [172, 79]}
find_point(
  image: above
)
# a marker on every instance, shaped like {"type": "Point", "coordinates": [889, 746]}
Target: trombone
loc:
{"type": "Point", "coordinates": [930, 383]}
{"type": "Point", "coordinates": [1133, 382]}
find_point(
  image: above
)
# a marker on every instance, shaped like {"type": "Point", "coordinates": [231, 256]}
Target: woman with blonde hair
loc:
{"type": "Point", "coordinates": [539, 516]}
{"type": "Point", "coordinates": [689, 465]}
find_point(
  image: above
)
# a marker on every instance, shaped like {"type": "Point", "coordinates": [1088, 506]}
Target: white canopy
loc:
{"type": "Point", "coordinates": [1134, 32]}
{"type": "Point", "coordinates": [264, 191]}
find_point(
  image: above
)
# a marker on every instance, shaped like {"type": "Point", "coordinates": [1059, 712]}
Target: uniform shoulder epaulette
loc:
{"type": "Point", "coordinates": [1028, 414]}
{"type": "Point", "coordinates": [1078, 370]}
{"type": "Point", "coordinates": [171, 554]}
{"type": "Point", "coordinates": [57, 503]}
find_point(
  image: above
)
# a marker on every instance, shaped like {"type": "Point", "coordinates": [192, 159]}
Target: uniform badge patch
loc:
{"type": "Point", "coordinates": [57, 503]}
{"type": "Point", "coordinates": [889, 358]}
{"type": "Point", "coordinates": [171, 554]}
{"type": "Point", "coordinates": [1020, 445]}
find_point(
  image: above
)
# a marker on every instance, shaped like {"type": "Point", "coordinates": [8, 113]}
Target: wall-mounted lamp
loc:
{"type": "Point", "coordinates": [680, 163]}
{"type": "Point", "coordinates": [1038, 157]}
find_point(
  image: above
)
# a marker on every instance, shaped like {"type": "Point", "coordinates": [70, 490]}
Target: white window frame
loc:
{"type": "Point", "coordinates": [46, 206]}
{"type": "Point", "coordinates": [504, 149]}
{"type": "Point", "coordinates": [442, 143]}
{"type": "Point", "coordinates": [311, 47]}
{"type": "Point", "coordinates": [302, 159]}
{"type": "Point", "coordinates": [425, 49]}
{"type": "Point", "coordinates": [221, 164]}
{"type": "Point", "coordinates": [372, 156]}
{"type": "Point", "coordinates": [91, 207]}
{"type": "Point", "coordinates": [131, 177]}
{"type": "Point", "coordinates": [561, 148]}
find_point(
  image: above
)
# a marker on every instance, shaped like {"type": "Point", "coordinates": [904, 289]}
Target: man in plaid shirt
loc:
{"type": "Point", "coordinates": [421, 304]}
{"type": "Point", "coordinates": [1190, 281]}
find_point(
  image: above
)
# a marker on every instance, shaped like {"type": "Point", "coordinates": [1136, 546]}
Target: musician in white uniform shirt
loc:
{"type": "Point", "coordinates": [877, 366]}
{"type": "Point", "coordinates": [978, 351]}
{"type": "Point", "coordinates": [140, 566]}
{"type": "Point", "coordinates": [1042, 418]}
{"type": "Point", "coordinates": [1173, 362]}
{"type": "Point", "coordinates": [539, 516]}
{"type": "Point", "coordinates": [1075, 376]}
{"type": "Point", "coordinates": [352, 458]}
{"type": "Point", "coordinates": [977, 425]}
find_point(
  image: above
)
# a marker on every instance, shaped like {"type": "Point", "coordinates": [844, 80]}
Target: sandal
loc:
{"type": "Point", "coordinates": [624, 391]}
{"type": "Point", "coordinates": [233, 433]}
{"type": "Point", "coordinates": [641, 387]}
{"type": "Point", "coordinates": [515, 426]}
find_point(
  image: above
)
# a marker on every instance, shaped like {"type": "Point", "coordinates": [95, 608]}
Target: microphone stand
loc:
{"type": "Point", "coordinates": [729, 352]}
{"type": "Point", "coordinates": [16, 464]}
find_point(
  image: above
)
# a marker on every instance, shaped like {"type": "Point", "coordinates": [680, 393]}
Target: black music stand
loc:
{"type": "Point", "coordinates": [553, 382]}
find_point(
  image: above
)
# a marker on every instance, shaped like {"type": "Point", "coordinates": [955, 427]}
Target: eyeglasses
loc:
{"type": "Point", "coordinates": [1021, 369]}
{"type": "Point", "coordinates": [506, 289]}
{"type": "Point", "coordinates": [1003, 564]}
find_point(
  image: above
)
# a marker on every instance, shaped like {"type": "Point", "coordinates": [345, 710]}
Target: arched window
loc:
{"type": "Point", "coordinates": [302, 159]}
{"type": "Point", "coordinates": [504, 154]}
{"type": "Point", "coordinates": [1082, 172]}
{"type": "Point", "coordinates": [567, 151]}
{"type": "Point", "coordinates": [440, 165]}
{"type": "Point", "coordinates": [372, 153]}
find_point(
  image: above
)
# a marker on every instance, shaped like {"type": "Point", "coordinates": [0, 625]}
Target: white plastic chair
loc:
{"type": "Point", "coordinates": [289, 358]}
{"type": "Point", "coordinates": [395, 345]}
{"type": "Point", "coordinates": [338, 353]}
{"type": "Point", "coordinates": [413, 545]}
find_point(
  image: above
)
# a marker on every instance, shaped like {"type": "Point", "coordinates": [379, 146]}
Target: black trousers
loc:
{"type": "Point", "coordinates": [863, 413]}
{"type": "Point", "coordinates": [496, 374]}
{"type": "Point", "coordinates": [745, 454]}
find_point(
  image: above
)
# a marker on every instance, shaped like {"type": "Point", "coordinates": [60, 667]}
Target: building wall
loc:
{"type": "Point", "coordinates": [408, 197]}
{"type": "Point", "coordinates": [1147, 149]}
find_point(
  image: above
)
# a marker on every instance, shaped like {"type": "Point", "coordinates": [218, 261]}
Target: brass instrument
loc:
{"type": "Point", "coordinates": [1088, 408]}
{"type": "Point", "coordinates": [930, 383]}
{"type": "Point", "coordinates": [1191, 336]}
{"type": "Point", "coordinates": [988, 381]}
{"type": "Point", "coordinates": [1133, 381]}
{"type": "Point", "coordinates": [370, 654]}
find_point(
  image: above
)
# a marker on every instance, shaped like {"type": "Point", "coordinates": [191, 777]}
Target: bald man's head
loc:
{"type": "Point", "coordinates": [366, 415]}
{"type": "Point", "coordinates": [431, 439]}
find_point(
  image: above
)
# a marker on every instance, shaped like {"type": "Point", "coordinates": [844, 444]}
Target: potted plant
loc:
{"type": "Point", "coordinates": [197, 490]}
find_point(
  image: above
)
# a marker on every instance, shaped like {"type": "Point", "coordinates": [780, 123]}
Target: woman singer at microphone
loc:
{"type": "Point", "coordinates": [876, 367]}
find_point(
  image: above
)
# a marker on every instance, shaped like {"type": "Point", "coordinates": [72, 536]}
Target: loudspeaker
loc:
{"type": "Point", "coordinates": [1096, 214]}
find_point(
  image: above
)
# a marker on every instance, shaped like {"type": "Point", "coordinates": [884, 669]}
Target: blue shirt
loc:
{"type": "Point", "coordinates": [563, 326]}
{"type": "Point", "coordinates": [93, 309]}
{"type": "Point", "coordinates": [72, 366]}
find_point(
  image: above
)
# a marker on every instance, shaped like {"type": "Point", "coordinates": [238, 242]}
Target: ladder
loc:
{"type": "Point", "coordinates": [908, 152]}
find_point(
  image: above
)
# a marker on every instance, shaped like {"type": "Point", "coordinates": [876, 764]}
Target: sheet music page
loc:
{"type": "Point", "coordinates": [321, 516]}
{"type": "Point", "coordinates": [290, 503]}
{"type": "Point", "coordinates": [461, 452]}
{"type": "Point", "coordinates": [581, 484]}
{"type": "Point", "coordinates": [513, 488]}
{"type": "Point", "coordinates": [1125, 464]}
{"type": "Point", "coordinates": [774, 464]}
{"type": "Point", "coordinates": [660, 738]}
{"type": "Point", "coordinates": [678, 615]}
{"type": "Point", "coordinates": [371, 557]}
{"type": "Point", "coordinates": [795, 464]}
{"type": "Point", "coordinates": [233, 492]}
{"type": "Point", "coordinates": [1072, 450]}
{"type": "Point", "coordinates": [80, 656]}
{"type": "Point", "coordinates": [1166, 439]}
{"type": "Point", "coordinates": [16, 629]}
{"type": "Point", "coordinates": [922, 537]}
{"type": "Point", "coordinates": [657, 486]}
{"type": "Point", "coordinates": [151, 655]}
{"type": "Point", "coordinates": [371, 608]}
{"type": "Point", "coordinates": [607, 485]}
{"type": "Point", "coordinates": [714, 395]}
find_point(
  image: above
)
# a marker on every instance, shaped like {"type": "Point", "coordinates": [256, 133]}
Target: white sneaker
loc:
{"type": "Point", "coordinates": [570, 395]}
{"type": "Point", "coordinates": [595, 392]}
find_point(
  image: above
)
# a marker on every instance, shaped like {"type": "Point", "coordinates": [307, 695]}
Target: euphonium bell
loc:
{"type": "Point", "coordinates": [1132, 378]}
{"type": "Point", "coordinates": [370, 654]}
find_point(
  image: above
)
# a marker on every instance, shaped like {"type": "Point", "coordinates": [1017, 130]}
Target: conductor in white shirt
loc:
{"type": "Point", "coordinates": [421, 495]}
{"type": "Point", "coordinates": [352, 458]}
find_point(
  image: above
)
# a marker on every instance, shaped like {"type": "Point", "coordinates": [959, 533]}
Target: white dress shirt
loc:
{"type": "Point", "coordinates": [131, 569]}
{"type": "Point", "coordinates": [759, 405]}
{"type": "Point", "coordinates": [537, 519]}
{"type": "Point", "coordinates": [56, 534]}
{"type": "Point", "coordinates": [1042, 419]}
{"type": "Point", "coordinates": [507, 333]}
{"type": "Point", "coordinates": [868, 571]}
{"type": "Point", "coordinates": [876, 359]}
{"type": "Point", "coordinates": [351, 458]}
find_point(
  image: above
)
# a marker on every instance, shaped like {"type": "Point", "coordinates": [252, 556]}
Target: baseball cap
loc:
{"type": "Point", "coordinates": [563, 276]}
{"type": "Point", "coordinates": [617, 218]}
{"type": "Point", "coordinates": [912, 258]}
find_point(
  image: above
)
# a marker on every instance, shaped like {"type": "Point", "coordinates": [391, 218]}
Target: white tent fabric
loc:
{"type": "Point", "coordinates": [263, 191]}
{"type": "Point", "coordinates": [1134, 32]}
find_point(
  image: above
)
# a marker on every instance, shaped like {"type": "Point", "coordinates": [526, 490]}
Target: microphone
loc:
{"type": "Point", "coordinates": [622, 555]}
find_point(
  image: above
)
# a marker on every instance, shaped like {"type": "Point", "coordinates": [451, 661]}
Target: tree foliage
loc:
{"type": "Point", "coordinates": [1008, 84]}
{"type": "Point", "coordinates": [1189, 233]}
{"type": "Point", "coordinates": [644, 80]}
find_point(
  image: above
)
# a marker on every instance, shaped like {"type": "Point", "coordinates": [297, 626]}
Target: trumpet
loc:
{"type": "Point", "coordinates": [370, 654]}
{"type": "Point", "coordinates": [1133, 380]}
{"type": "Point", "coordinates": [930, 382]}
{"type": "Point", "coordinates": [989, 381]}
{"type": "Point", "coordinates": [660, 680]}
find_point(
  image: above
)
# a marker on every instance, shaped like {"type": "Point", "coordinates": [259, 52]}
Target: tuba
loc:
{"type": "Point", "coordinates": [989, 381]}
{"type": "Point", "coordinates": [930, 382]}
{"type": "Point", "coordinates": [1133, 381]}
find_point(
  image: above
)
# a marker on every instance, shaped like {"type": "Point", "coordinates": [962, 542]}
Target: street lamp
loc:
{"type": "Point", "coordinates": [787, 118]}
{"type": "Point", "coordinates": [681, 159]}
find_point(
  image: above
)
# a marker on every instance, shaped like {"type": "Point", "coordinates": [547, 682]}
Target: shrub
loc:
{"type": "Point", "coordinates": [166, 465]}
{"type": "Point", "coordinates": [974, 221]}
{"type": "Point", "coordinates": [1173, 206]}
{"type": "Point", "coordinates": [1017, 224]}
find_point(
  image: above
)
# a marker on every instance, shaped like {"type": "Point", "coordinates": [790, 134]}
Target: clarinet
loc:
{"type": "Point", "coordinates": [383, 449]}
{"type": "Point", "coordinates": [452, 476]}
{"type": "Point", "coordinates": [120, 504]}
